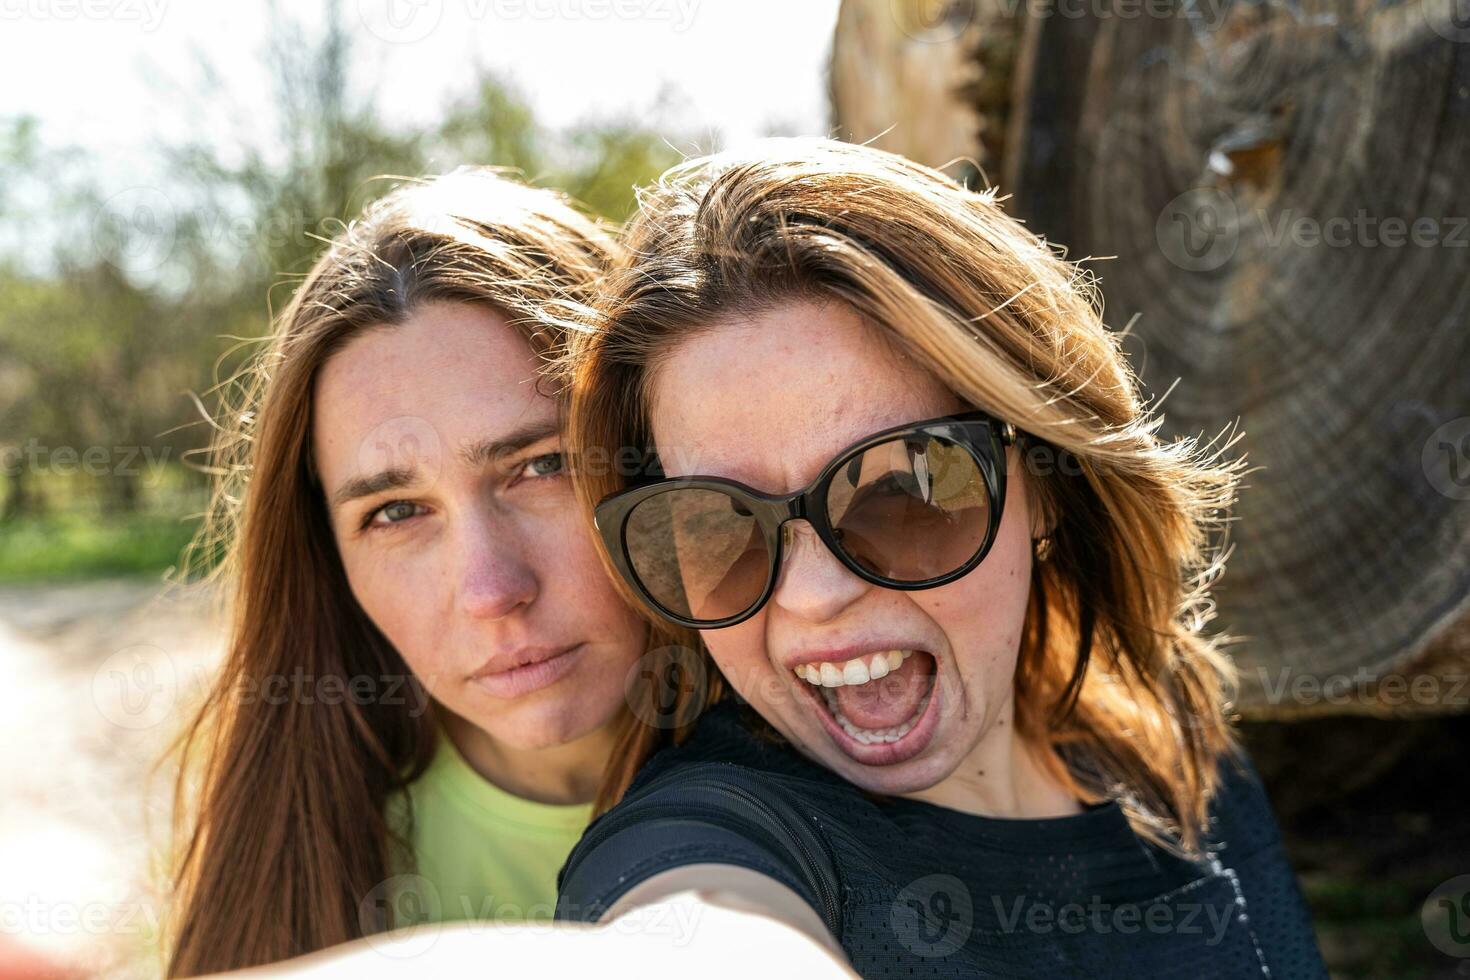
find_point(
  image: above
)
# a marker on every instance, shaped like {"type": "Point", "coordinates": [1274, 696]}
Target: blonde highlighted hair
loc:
{"type": "Point", "coordinates": [1115, 675]}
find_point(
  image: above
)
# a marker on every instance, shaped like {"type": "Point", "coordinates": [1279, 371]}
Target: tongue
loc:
{"type": "Point", "coordinates": [889, 701]}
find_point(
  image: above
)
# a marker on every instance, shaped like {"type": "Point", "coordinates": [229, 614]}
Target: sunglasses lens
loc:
{"type": "Point", "coordinates": [911, 510]}
{"type": "Point", "coordinates": [699, 553]}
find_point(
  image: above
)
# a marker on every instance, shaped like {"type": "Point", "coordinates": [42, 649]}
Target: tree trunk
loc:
{"type": "Point", "coordinates": [1282, 190]}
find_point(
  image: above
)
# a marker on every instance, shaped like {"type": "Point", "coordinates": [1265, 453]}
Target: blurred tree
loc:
{"type": "Point", "coordinates": [159, 291]}
{"type": "Point", "coordinates": [613, 159]}
{"type": "Point", "coordinates": [96, 393]}
{"type": "Point", "coordinates": [493, 124]}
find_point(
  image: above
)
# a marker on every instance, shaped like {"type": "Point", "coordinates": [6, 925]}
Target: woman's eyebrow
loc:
{"type": "Point", "coordinates": [395, 478]}
{"type": "Point", "coordinates": [492, 450]}
{"type": "Point", "coordinates": [475, 454]}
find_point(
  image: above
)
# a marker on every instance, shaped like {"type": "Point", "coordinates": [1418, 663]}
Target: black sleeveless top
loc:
{"type": "Point", "coordinates": [910, 889]}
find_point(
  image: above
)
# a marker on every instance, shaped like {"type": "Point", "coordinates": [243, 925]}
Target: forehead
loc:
{"type": "Point", "coordinates": [771, 397]}
{"type": "Point", "coordinates": [449, 375]}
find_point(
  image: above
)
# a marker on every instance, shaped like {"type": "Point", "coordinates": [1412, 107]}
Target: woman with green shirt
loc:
{"type": "Point", "coordinates": [456, 811]}
{"type": "Point", "coordinates": [430, 684]}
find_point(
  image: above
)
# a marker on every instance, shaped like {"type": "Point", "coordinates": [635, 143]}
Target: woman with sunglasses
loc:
{"type": "Point", "coordinates": [902, 483]}
{"type": "Point", "coordinates": [427, 688]}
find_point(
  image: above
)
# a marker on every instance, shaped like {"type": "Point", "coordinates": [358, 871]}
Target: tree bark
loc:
{"type": "Point", "coordinates": [1281, 191]}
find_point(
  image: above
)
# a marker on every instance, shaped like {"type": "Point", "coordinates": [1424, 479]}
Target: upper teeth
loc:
{"type": "Point", "coordinates": [859, 670]}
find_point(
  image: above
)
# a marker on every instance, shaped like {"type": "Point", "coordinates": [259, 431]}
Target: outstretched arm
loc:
{"type": "Point", "coordinates": [677, 934]}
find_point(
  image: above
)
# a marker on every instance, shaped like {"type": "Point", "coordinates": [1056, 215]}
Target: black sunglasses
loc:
{"type": "Point", "coordinates": [912, 507]}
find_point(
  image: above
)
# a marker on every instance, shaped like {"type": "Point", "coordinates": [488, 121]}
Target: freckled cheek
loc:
{"type": "Point", "coordinates": [569, 569]}
{"type": "Point", "coordinates": [982, 615]}
{"type": "Point", "coordinates": [572, 556]}
{"type": "Point", "coordinates": [404, 603]}
{"type": "Point", "coordinates": [741, 655]}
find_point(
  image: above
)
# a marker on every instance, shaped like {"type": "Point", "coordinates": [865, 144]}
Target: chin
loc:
{"type": "Point", "coordinates": [535, 726]}
{"type": "Point", "coordinates": [549, 732]}
{"type": "Point", "coordinates": [887, 770]}
{"type": "Point", "coordinates": [913, 776]}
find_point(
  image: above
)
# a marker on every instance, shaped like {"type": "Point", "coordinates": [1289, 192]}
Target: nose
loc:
{"type": "Point", "coordinates": [811, 583]}
{"type": "Point", "coordinates": [494, 578]}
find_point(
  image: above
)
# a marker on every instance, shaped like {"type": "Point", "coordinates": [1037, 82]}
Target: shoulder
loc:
{"type": "Point", "coordinates": [714, 800]}
{"type": "Point", "coordinates": [1242, 822]}
{"type": "Point", "coordinates": [1246, 841]}
{"type": "Point", "coordinates": [731, 731]}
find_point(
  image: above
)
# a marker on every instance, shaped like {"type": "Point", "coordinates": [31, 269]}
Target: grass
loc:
{"type": "Point", "coordinates": [75, 537]}
{"type": "Point", "coordinates": [80, 546]}
{"type": "Point", "coordinates": [1371, 928]}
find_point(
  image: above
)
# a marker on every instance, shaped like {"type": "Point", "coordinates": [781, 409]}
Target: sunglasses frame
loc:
{"type": "Point", "coordinates": [983, 436]}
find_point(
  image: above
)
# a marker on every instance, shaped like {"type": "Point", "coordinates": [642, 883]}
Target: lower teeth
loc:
{"type": "Point", "coordinates": [873, 736]}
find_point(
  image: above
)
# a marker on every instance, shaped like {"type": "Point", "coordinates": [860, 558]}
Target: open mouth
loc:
{"type": "Point", "coordinates": [877, 708]}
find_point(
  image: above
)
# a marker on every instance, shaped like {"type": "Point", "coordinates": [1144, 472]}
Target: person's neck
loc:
{"type": "Point", "coordinates": [565, 774]}
{"type": "Point", "coordinates": [1003, 776]}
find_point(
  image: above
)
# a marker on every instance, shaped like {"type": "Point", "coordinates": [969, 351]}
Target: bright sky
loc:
{"type": "Point", "coordinates": [98, 72]}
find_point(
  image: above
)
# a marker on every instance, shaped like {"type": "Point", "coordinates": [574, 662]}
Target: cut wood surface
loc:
{"type": "Point", "coordinates": [1282, 194]}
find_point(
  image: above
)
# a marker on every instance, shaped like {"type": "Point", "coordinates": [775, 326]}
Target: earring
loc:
{"type": "Point", "coordinates": [1041, 547]}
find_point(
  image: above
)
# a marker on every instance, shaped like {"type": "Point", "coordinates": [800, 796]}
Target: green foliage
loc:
{"type": "Point", "coordinates": [1370, 929]}
{"type": "Point", "coordinates": [108, 336]}
{"type": "Point", "coordinates": [75, 546]}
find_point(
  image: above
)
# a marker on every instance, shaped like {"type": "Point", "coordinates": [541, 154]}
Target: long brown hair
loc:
{"type": "Point", "coordinates": [1114, 677]}
{"type": "Point", "coordinates": [280, 802]}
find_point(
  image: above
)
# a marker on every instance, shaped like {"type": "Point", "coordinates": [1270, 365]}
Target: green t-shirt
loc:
{"type": "Point", "coordinates": [481, 852]}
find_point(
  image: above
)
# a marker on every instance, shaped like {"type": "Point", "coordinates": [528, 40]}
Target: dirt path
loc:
{"type": "Point", "coordinates": [101, 675]}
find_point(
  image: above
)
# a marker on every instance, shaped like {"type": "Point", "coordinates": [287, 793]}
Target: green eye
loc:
{"type": "Point", "coordinates": [395, 512]}
{"type": "Point", "coordinates": [548, 465]}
